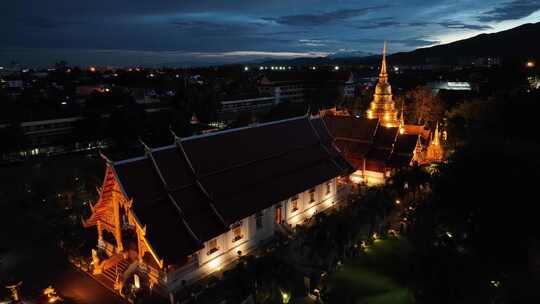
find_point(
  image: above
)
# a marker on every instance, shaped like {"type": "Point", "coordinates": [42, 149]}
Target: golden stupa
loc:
{"type": "Point", "coordinates": [382, 106]}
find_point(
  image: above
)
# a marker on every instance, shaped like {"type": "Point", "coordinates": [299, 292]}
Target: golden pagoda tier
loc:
{"type": "Point", "coordinates": [382, 106]}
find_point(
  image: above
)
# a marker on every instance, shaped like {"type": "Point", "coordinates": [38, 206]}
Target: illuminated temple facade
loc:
{"type": "Point", "coordinates": [180, 212]}
{"type": "Point", "coordinates": [374, 150]}
{"type": "Point", "coordinates": [383, 106]}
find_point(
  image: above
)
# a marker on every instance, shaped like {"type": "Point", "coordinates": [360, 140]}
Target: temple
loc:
{"type": "Point", "coordinates": [380, 143]}
{"type": "Point", "coordinates": [374, 150]}
{"type": "Point", "coordinates": [180, 212]}
{"type": "Point", "coordinates": [383, 106]}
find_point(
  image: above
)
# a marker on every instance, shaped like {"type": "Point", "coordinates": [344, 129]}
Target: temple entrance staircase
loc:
{"type": "Point", "coordinates": [113, 270]}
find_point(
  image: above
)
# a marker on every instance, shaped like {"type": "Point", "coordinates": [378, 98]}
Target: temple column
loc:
{"type": "Point", "coordinates": [99, 231]}
{"type": "Point", "coordinates": [117, 224]}
{"type": "Point", "coordinates": [364, 170]}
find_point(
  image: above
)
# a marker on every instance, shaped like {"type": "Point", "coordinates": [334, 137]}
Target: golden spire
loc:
{"type": "Point", "coordinates": [436, 135]}
{"type": "Point", "coordinates": [402, 120]}
{"type": "Point", "coordinates": [383, 76]}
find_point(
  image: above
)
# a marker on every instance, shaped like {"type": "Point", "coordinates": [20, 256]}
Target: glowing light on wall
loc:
{"type": "Point", "coordinates": [214, 264]}
{"type": "Point", "coordinates": [136, 281]}
{"type": "Point", "coordinates": [356, 177]}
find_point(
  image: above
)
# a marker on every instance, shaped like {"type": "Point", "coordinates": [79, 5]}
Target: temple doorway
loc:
{"type": "Point", "coordinates": [278, 219]}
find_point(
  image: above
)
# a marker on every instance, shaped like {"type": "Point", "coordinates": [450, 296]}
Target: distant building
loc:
{"type": "Point", "coordinates": [436, 86]}
{"type": "Point", "coordinates": [294, 86]}
{"type": "Point", "coordinates": [86, 90]}
{"type": "Point", "coordinates": [145, 95]}
{"type": "Point", "coordinates": [230, 109]}
{"type": "Point", "coordinates": [15, 84]}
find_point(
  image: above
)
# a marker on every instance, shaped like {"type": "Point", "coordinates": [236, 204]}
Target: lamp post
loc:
{"type": "Point", "coordinates": [14, 288]}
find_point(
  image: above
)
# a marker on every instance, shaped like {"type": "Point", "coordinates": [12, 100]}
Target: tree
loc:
{"type": "Point", "coordinates": [424, 105]}
{"type": "Point", "coordinates": [477, 229]}
{"type": "Point", "coordinates": [360, 103]}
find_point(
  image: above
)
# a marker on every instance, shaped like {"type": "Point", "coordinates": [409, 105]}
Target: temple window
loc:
{"type": "Point", "coordinates": [237, 232]}
{"type": "Point", "coordinates": [259, 220]}
{"type": "Point", "coordinates": [212, 246]}
{"type": "Point", "coordinates": [312, 195]}
{"type": "Point", "coordinates": [294, 203]}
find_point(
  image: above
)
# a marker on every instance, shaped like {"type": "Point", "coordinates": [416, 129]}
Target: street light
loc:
{"type": "Point", "coordinates": [285, 297]}
{"type": "Point", "coordinates": [530, 64]}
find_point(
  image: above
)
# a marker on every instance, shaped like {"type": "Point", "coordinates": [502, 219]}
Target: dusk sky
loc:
{"type": "Point", "coordinates": [186, 32]}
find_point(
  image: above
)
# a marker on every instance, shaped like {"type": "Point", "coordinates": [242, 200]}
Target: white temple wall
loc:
{"type": "Point", "coordinates": [253, 236]}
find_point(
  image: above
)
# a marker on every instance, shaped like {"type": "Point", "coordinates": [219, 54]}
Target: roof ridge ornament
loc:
{"type": "Point", "coordinates": [308, 112]}
{"type": "Point", "coordinates": [145, 146]}
{"type": "Point", "coordinates": [179, 146]}
{"type": "Point", "coordinates": [105, 157]}
{"type": "Point", "coordinates": [176, 137]}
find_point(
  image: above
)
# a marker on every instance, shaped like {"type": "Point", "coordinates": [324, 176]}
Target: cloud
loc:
{"type": "Point", "coordinates": [126, 57]}
{"type": "Point", "coordinates": [324, 18]}
{"type": "Point", "coordinates": [260, 54]}
{"type": "Point", "coordinates": [461, 25]}
{"type": "Point", "coordinates": [312, 42]}
{"type": "Point", "coordinates": [413, 42]}
{"type": "Point", "coordinates": [47, 23]}
{"type": "Point", "coordinates": [203, 27]}
{"type": "Point", "coordinates": [417, 42]}
{"type": "Point", "coordinates": [377, 23]}
{"type": "Point", "coordinates": [451, 24]}
{"type": "Point", "coordinates": [516, 9]}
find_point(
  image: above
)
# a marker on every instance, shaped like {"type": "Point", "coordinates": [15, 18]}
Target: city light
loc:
{"type": "Point", "coordinates": [530, 64]}
{"type": "Point", "coordinates": [246, 68]}
{"type": "Point", "coordinates": [92, 69]}
{"type": "Point", "coordinates": [336, 68]}
{"type": "Point", "coordinates": [51, 295]}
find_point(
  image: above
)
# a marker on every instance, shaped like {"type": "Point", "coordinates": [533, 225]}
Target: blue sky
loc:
{"type": "Point", "coordinates": [186, 32]}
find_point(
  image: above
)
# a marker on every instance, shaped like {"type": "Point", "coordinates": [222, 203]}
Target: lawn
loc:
{"type": "Point", "coordinates": [374, 277]}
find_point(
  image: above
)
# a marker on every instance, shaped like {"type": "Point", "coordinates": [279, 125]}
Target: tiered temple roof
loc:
{"type": "Point", "coordinates": [366, 141]}
{"type": "Point", "coordinates": [192, 191]}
